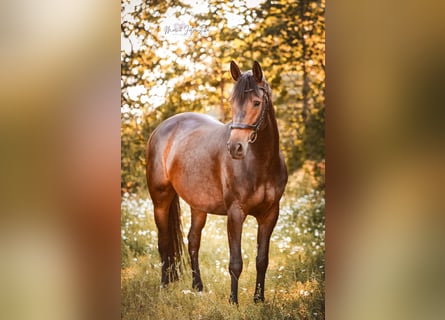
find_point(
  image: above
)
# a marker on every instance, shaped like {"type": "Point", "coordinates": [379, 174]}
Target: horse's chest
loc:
{"type": "Point", "coordinates": [257, 198]}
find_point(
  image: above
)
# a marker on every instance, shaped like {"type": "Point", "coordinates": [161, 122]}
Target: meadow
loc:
{"type": "Point", "coordinates": [295, 280]}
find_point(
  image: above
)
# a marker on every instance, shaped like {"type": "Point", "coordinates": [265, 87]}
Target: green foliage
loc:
{"type": "Point", "coordinates": [162, 77]}
{"type": "Point", "coordinates": [295, 30]}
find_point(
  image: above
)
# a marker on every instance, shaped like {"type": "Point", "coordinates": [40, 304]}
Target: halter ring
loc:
{"type": "Point", "coordinates": [252, 137]}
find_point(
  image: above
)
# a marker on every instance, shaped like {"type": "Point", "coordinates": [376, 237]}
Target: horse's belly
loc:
{"type": "Point", "coordinates": [203, 199]}
{"type": "Point", "coordinates": [193, 162]}
{"type": "Point", "coordinates": [201, 192]}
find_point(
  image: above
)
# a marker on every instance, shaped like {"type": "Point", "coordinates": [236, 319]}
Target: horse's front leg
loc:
{"type": "Point", "coordinates": [266, 224]}
{"type": "Point", "coordinates": [194, 238]}
{"type": "Point", "coordinates": [235, 219]}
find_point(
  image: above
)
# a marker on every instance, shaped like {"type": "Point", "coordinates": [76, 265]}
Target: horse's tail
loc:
{"type": "Point", "coordinates": [176, 234]}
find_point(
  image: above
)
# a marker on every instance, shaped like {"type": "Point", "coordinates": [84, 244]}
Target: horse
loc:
{"type": "Point", "coordinates": [234, 169]}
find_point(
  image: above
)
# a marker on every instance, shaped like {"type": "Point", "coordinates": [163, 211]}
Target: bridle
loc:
{"type": "Point", "coordinates": [257, 124]}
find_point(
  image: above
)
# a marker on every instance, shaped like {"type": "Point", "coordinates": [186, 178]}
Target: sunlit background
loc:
{"type": "Point", "coordinates": [177, 40]}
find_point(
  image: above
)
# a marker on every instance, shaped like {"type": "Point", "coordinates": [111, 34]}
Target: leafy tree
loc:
{"type": "Point", "coordinates": [290, 42]}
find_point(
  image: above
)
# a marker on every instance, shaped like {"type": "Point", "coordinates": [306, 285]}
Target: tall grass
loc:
{"type": "Point", "coordinates": [294, 280]}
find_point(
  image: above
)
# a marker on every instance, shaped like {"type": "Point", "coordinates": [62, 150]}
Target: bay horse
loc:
{"type": "Point", "coordinates": [234, 169]}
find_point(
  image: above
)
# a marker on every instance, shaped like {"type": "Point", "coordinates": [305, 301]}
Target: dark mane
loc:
{"type": "Point", "coordinates": [245, 83]}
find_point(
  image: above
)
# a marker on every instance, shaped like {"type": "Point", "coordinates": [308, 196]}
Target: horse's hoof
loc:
{"type": "Point", "coordinates": [233, 302]}
{"type": "Point", "coordinates": [199, 287]}
{"type": "Point", "coordinates": [258, 299]}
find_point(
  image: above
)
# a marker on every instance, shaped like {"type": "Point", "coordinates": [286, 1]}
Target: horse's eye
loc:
{"type": "Point", "coordinates": [256, 103]}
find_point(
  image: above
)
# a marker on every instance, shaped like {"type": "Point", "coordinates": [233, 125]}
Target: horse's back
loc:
{"type": "Point", "coordinates": [180, 126]}
{"type": "Point", "coordinates": [185, 123]}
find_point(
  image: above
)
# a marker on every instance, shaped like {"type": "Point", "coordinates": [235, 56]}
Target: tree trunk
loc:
{"type": "Point", "coordinates": [305, 90]}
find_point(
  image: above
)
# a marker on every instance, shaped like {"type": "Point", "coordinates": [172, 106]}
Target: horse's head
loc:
{"type": "Point", "coordinates": [249, 101]}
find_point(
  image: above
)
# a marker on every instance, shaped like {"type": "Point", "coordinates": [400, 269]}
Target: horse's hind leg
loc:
{"type": "Point", "coordinates": [194, 238]}
{"type": "Point", "coordinates": [166, 206]}
{"type": "Point", "coordinates": [162, 202]}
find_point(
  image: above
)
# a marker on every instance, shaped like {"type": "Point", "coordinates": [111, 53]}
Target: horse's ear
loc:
{"type": "Point", "coordinates": [257, 72]}
{"type": "Point", "coordinates": [235, 71]}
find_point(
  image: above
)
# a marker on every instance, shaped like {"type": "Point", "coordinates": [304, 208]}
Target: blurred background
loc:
{"type": "Point", "coordinates": [385, 160]}
{"type": "Point", "coordinates": [60, 163]}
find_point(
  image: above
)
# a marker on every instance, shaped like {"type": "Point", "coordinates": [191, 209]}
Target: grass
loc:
{"type": "Point", "coordinates": [294, 280]}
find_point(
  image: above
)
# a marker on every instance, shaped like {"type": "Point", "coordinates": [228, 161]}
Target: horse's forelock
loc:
{"type": "Point", "coordinates": [244, 88]}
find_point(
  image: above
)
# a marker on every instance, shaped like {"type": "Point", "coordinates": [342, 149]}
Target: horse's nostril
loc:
{"type": "Point", "coordinates": [239, 149]}
{"type": "Point", "coordinates": [236, 150]}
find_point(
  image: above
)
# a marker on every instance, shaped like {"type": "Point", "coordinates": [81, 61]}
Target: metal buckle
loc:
{"type": "Point", "coordinates": [252, 137]}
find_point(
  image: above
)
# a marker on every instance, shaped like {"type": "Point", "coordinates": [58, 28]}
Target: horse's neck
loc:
{"type": "Point", "coordinates": [267, 145]}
